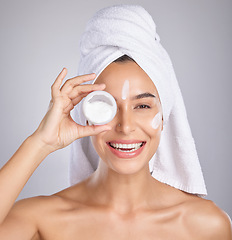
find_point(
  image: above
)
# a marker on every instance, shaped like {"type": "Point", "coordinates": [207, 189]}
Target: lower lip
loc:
{"type": "Point", "coordinates": [126, 154]}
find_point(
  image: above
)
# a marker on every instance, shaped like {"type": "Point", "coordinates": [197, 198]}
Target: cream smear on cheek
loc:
{"type": "Point", "coordinates": [125, 90]}
{"type": "Point", "coordinates": [156, 121]}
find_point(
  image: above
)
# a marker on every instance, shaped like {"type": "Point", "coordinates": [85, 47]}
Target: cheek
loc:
{"type": "Point", "coordinates": [98, 143]}
{"type": "Point", "coordinates": [156, 121]}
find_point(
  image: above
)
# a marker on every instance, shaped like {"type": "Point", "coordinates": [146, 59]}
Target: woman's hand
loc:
{"type": "Point", "coordinates": [58, 129]}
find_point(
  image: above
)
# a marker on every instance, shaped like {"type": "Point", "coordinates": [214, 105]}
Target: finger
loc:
{"type": "Point", "coordinates": [72, 82]}
{"type": "Point", "coordinates": [57, 83]}
{"type": "Point", "coordinates": [76, 100]}
{"type": "Point", "coordinates": [83, 90]}
{"type": "Point", "coordinates": [85, 131]}
{"type": "Point", "coordinates": [82, 78]}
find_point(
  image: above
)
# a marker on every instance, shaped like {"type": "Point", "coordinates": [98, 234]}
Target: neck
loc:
{"type": "Point", "coordinates": [124, 193]}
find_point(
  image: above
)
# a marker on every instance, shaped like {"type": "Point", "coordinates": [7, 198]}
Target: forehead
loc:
{"type": "Point", "coordinates": [116, 74]}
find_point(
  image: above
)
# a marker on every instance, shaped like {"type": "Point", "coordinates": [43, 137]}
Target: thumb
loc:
{"type": "Point", "coordinates": [92, 130]}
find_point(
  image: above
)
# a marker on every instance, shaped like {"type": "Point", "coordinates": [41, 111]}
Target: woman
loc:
{"type": "Point", "coordinates": [121, 199]}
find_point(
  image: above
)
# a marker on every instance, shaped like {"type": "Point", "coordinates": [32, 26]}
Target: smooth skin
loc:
{"type": "Point", "coordinates": [121, 200]}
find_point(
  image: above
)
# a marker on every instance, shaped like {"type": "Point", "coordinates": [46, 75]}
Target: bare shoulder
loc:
{"type": "Point", "coordinates": [36, 217]}
{"type": "Point", "coordinates": [22, 220]}
{"type": "Point", "coordinates": [40, 207]}
{"type": "Point", "coordinates": [34, 206]}
{"type": "Point", "coordinates": [206, 220]}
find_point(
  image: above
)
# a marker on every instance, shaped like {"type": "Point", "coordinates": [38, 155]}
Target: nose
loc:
{"type": "Point", "coordinates": [125, 120]}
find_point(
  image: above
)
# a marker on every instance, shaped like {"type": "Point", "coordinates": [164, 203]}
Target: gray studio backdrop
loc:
{"type": "Point", "coordinates": [39, 38]}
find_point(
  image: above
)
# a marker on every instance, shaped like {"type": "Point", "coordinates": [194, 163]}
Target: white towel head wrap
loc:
{"type": "Point", "coordinates": [129, 29]}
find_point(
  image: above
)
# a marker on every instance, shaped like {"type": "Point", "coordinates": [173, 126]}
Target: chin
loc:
{"type": "Point", "coordinates": [127, 166]}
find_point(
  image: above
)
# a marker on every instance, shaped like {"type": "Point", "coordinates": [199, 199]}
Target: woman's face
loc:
{"type": "Point", "coordinates": [137, 126]}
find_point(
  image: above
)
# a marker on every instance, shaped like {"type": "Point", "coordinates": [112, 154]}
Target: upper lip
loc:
{"type": "Point", "coordinates": [126, 141]}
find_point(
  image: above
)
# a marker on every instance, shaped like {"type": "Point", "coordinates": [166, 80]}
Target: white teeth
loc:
{"type": "Point", "coordinates": [132, 150]}
{"type": "Point", "coordinates": [121, 147]}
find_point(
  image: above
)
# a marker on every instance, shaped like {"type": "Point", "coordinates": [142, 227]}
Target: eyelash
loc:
{"type": "Point", "coordinates": [142, 106]}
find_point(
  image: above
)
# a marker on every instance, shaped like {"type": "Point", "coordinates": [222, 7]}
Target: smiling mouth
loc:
{"type": "Point", "coordinates": [126, 147]}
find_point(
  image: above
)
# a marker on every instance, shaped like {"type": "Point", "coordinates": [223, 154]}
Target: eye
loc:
{"type": "Point", "coordinates": [142, 106]}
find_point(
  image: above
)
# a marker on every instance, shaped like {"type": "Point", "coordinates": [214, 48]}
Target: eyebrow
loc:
{"type": "Point", "coordinates": [144, 95]}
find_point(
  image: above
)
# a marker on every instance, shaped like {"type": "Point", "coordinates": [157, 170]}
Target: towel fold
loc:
{"type": "Point", "coordinates": [130, 29]}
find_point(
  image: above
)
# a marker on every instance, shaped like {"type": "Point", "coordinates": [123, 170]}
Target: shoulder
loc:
{"type": "Point", "coordinates": [22, 220]}
{"type": "Point", "coordinates": [30, 217]}
{"type": "Point", "coordinates": [41, 209]}
{"type": "Point", "coordinates": [205, 220]}
{"type": "Point", "coordinates": [36, 210]}
{"type": "Point", "coordinates": [35, 203]}
{"type": "Point", "coordinates": [26, 207]}
{"type": "Point", "coordinates": [34, 206]}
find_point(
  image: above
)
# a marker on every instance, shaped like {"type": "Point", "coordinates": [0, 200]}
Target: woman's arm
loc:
{"type": "Point", "coordinates": [13, 177]}
{"type": "Point", "coordinates": [56, 131]}
{"type": "Point", "coordinates": [16, 172]}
